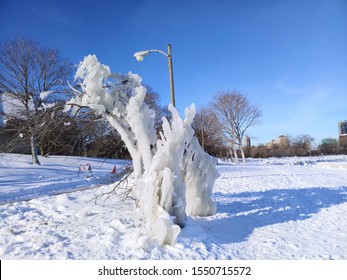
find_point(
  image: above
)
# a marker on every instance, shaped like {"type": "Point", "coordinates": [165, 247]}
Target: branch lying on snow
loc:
{"type": "Point", "coordinates": [122, 184]}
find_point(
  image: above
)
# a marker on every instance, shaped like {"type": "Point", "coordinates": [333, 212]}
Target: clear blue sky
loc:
{"type": "Point", "coordinates": [289, 57]}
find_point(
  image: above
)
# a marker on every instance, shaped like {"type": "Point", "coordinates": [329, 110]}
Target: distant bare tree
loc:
{"type": "Point", "coordinates": [260, 151]}
{"type": "Point", "coordinates": [109, 145]}
{"type": "Point", "coordinates": [236, 114]}
{"type": "Point", "coordinates": [302, 144]}
{"type": "Point", "coordinates": [209, 132]}
{"type": "Point", "coordinates": [31, 75]}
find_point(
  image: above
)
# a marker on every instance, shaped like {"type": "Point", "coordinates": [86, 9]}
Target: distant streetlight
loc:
{"type": "Point", "coordinates": [141, 55]}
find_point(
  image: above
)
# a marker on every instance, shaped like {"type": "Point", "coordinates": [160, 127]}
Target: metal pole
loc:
{"type": "Point", "coordinates": [172, 90]}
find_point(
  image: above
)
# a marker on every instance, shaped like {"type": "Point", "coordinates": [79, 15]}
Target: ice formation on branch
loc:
{"type": "Point", "coordinates": [174, 175]}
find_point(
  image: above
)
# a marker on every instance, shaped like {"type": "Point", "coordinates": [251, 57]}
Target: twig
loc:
{"type": "Point", "coordinates": [123, 182]}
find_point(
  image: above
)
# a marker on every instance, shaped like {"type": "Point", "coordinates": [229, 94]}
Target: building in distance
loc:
{"type": "Point", "coordinates": [343, 133]}
{"type": "Point", "coordinates": [281, 141]}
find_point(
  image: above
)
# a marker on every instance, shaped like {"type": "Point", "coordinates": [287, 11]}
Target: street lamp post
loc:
{"type": "Point", "coordinates": [141, 55]}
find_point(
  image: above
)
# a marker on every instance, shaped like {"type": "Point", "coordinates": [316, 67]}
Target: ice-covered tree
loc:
{"type": "Point", "coordinates": [174, 176]}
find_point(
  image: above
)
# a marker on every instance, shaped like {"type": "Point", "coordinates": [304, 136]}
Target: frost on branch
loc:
{"type": "Point", "coordinates": [174, 175]}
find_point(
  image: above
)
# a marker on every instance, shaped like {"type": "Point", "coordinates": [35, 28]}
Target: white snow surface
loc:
{"type": "Point", "coordinates": [288, 208]}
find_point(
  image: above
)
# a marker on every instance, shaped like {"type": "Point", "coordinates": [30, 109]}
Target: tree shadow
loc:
{"type": "Point", "coordinates": [238, 215]}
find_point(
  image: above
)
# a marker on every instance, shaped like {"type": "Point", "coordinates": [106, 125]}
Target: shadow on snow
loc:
{"type": "Point", "coordinates": [242, 213]}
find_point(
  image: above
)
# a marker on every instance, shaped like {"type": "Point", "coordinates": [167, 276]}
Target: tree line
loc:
{"type": "Point", "coordinates": [300, 145]}
{"type": "Point", "coordinates": [34, 86]}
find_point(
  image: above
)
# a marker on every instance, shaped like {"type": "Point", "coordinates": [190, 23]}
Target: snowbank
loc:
{"type": "Point", "coordinates": [264, 211]}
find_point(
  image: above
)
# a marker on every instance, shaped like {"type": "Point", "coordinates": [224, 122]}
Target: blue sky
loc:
{"type": "Point", "coordinates": [289, 57]}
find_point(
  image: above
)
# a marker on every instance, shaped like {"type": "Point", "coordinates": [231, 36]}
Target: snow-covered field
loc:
{"type": "Point", "coordinates": [290, 208]}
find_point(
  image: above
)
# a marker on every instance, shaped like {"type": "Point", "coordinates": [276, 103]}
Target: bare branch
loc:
{"type": "Point", "coordinates": [122, 185]}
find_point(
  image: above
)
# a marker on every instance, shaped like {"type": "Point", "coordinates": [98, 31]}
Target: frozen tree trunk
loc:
{"type": "Point", "coordinates": [236, 158]}
{"type": "Point", "coordinates": [35, 159]}
{"type": "Point", "coordinates": [200, 174]}
{"type": "Point", "coordinates": [242, 154]}
{"type": "Point", "coordinates": [174, 176]}
{"type": "Point", "coordinates": [164, 181]}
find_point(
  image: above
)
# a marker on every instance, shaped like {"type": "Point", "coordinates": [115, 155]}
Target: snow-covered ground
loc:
{"type": "Point", "coordinates": [290, 208]}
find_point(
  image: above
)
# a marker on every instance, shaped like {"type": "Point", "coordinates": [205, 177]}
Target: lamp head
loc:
{"type": "Point", "coordinates": [141, 55]}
